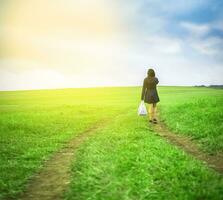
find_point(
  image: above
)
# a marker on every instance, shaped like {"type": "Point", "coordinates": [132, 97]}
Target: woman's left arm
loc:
{"type": "Point", "coordinates": [156, 81]}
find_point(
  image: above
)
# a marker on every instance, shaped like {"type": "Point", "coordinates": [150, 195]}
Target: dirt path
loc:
{"type": "Point", "coordinates": [213, 161]}
{"type": "Point", "coordinates": [52, 180]}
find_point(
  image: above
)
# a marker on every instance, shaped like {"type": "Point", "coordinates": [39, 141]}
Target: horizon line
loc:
{"type": "Point", "coordinates": [95, 87]}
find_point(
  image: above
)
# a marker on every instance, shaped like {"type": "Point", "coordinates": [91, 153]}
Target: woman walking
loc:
{"type": "Point", "coordinates": [150, 94]}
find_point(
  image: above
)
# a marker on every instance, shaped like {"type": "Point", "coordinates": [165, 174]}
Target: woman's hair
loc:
{"type": "Point", "coordinates": [151, 73]}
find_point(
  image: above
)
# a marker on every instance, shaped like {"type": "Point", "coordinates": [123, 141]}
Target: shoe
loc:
{"type": "Point", "coordinates": [155, 121]}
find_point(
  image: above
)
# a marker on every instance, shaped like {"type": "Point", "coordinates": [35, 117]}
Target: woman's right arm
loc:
{"type": "Point", "coordinates": [143, 90]}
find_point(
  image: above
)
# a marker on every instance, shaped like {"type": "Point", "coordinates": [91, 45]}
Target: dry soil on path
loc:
{"type": "Point", "coordinates": [53, 178]}
{"type": "Point", "coordinates": [188, 145]}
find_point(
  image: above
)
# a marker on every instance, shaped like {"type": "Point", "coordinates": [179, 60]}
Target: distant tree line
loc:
{"type": "Point", "coordinates": [210, 86]}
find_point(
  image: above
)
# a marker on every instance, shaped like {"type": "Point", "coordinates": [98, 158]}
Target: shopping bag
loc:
{"type": "Point", "coordinates": [142, 109]}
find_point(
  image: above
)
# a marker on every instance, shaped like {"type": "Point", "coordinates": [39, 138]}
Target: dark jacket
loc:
{"type": "Point", "coordinates": [149, 91]}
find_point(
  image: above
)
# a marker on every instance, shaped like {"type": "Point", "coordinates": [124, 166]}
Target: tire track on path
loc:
{"type": "Point", "coordinates": [213, 161]}
{"type": "Point", "coordinates": [53, 178]}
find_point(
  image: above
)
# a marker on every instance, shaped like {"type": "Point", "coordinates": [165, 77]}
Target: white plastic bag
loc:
{"type": "Point", "coordinates": [142, 109]}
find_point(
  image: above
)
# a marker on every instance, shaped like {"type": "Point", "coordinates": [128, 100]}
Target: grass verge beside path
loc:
{"type": "Point", "coordinates": [31, 135]}
{"type": "Point", "coordinates": [195, 112]}
{"type": "Point", "coordinates": [128, 161]}
{"type": "Point", "coordinates": [35, 124]}
{"type": "Point", "coordinates": [51, 181]}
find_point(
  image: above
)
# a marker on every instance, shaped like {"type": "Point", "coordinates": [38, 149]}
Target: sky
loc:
{"type": "Point", "coordinates": [90, 43]}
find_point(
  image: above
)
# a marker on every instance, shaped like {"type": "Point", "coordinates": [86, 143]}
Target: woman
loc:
{"type": "Point", "coordinates": [150, 95]}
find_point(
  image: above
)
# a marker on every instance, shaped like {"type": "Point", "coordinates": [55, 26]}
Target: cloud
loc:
{"type": "Point", "coordinates": [101, 42]}
{"type": "Point", "coordinates": [196, 30]}
{"type": "Point", "coordinates": [172, 7]}
{"type": "Point", "coordinates": [218, 25]}
{"type": "Point", "coordinates": [212, 46]}
{"type": "Point", "coordinates": [202, 39]}
{"type": "Point", "coordinates": [164, 45]}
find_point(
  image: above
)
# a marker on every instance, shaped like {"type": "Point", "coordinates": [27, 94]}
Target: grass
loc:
{"type": "Point", "coordinates": [197, 113]}
{"type": "Point", "coordinates": [125, 160]}
{"type": "Point", "coordinates": [34, 124]}
{"type": "Point", "coordinates": [28, 137]}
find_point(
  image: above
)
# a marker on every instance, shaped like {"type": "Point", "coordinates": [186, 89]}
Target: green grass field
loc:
{"type": "Point", "coordinates": [197, 113]}
{"type": "Point", "coordinates": [125, 159]}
